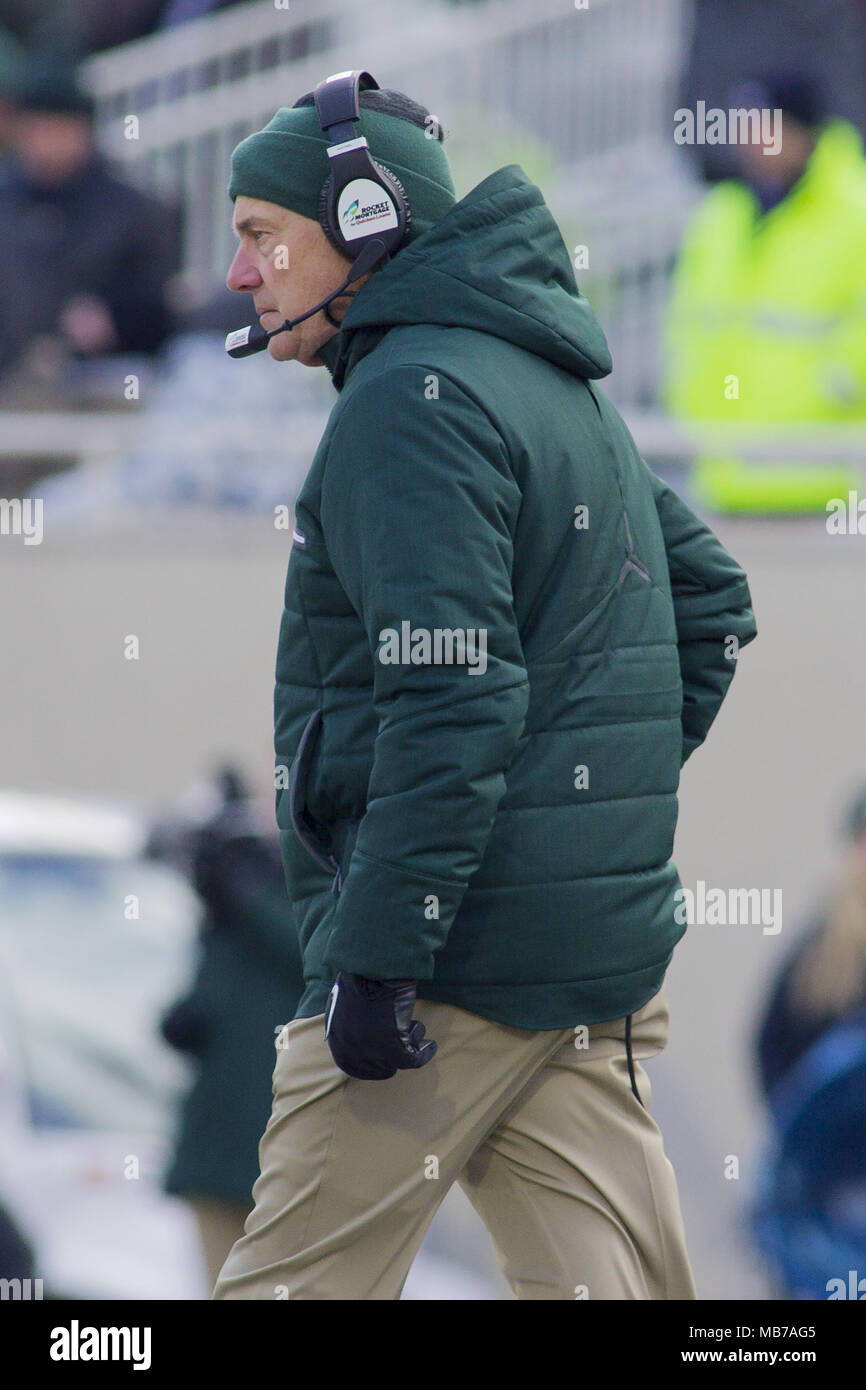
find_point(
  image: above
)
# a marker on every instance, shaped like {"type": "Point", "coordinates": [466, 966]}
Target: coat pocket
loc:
{"type": "Point", "coordinates": [303, 825]}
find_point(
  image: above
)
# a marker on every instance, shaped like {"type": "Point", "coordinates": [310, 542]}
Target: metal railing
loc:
{"type": "Point", "coordinates": [102, 433]}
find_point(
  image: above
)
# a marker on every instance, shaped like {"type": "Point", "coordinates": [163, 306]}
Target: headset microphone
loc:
{"type": "Point", "coordinates": [243, 342]}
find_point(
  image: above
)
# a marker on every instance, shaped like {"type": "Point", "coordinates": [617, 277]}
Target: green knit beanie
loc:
{"type": "Point", "coordinates": [286, 163]}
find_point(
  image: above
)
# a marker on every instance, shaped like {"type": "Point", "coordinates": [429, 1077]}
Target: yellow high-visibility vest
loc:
{"type": "Point", "coordinates": [767, 324]}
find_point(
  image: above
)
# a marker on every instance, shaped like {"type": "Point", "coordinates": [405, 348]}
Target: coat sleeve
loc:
{"type": "Point", "coordinates": [418, 510]}
{"type": "Point", "coordinates": [712, 607]}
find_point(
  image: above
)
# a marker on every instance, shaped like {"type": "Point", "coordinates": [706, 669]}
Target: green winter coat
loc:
{"type": "Point", "coordinates": [502, 834]}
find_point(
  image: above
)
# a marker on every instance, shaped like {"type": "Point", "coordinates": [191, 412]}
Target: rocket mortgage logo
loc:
{"type": "Point", "coordinates": [363, 206]}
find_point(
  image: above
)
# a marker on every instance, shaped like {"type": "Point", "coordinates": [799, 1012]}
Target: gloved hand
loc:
{"type": "Point", "coordinates": [369, 1027]}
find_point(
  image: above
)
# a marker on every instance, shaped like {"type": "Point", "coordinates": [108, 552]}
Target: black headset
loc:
{"type": "Point", "coordinates": [361, 199]}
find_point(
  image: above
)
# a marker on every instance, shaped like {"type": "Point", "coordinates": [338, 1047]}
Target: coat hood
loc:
{"type": "Point", "coordinates": [496, 262]}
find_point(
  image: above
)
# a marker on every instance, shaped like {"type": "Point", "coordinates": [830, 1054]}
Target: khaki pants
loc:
{"type": "Point", "coordinates": [547, 1139]}
{"type": "Point", "coordinates": [220, 1224]}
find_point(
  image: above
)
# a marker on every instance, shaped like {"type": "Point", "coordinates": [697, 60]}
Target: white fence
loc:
{"type": "Point", "coordinates": [108, 433]}
{"type": "Point", "coordinates": [584, 83]}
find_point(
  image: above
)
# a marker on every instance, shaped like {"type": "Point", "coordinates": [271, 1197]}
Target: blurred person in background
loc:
{"type": "Point", "coordinates": [11, 69]}
{"type": "Point", "coordinates": [808, 1213]}
{"type": "Point", "coordinates": [88, 258]}
{"type": "Point", "coordinates": [732, 39]}
{"type": "Point", "coordinates": [824, 978]}
{"type": "Point", "coordinates": [770, 289]}
{"type": "Point", "coordinates": [247, 987]}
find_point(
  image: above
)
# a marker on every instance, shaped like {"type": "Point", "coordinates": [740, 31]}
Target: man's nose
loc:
{"type": "Point", "coordinates": [243, 275]}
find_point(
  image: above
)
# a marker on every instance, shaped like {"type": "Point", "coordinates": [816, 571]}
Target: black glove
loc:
{"type": "Point", "coordinates": [369, 1027]}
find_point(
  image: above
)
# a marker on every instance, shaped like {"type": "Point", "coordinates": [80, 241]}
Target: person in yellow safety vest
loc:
{"type": "Point", "coordinates": [767, 318]}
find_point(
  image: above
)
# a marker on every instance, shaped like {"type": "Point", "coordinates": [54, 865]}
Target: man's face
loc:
{"type": "Point", "coordinates": [287, 264]}
{"type": "Point", "coordinates": [794, 148]}
{"type": "Point", "coordinates": [52, 146]}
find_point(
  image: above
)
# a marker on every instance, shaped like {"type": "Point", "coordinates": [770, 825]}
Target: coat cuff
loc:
{"type": "Point", "coordinates": [389, 922]}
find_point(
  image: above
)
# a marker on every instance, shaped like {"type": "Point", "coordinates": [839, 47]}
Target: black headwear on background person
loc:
{"type": "Point", "coordinates": [800, 98]}
{"type": "Point", "coordinates": [49, 82]}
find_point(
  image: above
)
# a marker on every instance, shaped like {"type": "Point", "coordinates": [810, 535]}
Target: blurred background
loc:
{"type": "Point", "coordinates": [146, 956]}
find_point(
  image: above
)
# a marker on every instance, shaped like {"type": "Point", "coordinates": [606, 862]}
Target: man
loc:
{"type": "Point", "coordinates": [485, 691]}
{"type": "Point", "coordinates": [767, 314]}
{"type": "Point", "coordinates": [88, 257]}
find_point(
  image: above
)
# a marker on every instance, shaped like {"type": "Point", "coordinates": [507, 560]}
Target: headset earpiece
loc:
{"type": "Point", "coordinates": [326, 220]}
{"type": "Point", "coordinates": [327, 205]}
{"type": "Point", "coordinates": [361, 199]}
{"type": "Point", "coordinates": [396, 187]}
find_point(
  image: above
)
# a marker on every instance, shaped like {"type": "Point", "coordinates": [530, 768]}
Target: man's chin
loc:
{"type": "Point", "coordinates": [282, 348]}
{"type": "Point", "coordinates": [308, 357]}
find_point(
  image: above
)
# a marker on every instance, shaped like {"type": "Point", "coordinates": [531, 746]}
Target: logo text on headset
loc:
{"type": "Point", "coordinates": [366, 214]}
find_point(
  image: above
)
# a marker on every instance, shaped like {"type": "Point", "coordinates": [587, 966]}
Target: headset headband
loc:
{"type": "Point", "coordinates": [337, 102]}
